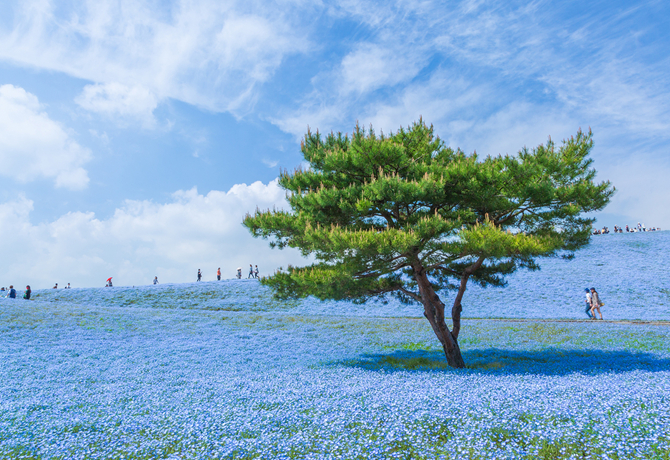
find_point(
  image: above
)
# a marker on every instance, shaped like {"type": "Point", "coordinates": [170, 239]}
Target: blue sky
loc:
{"type": "Point", "coordinates": [134, 135]}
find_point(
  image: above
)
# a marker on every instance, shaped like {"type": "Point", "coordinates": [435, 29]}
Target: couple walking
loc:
{"type": "Point", "coordinates": [11, 293]}
{"type": "Point", "coordinates": [593, 303]}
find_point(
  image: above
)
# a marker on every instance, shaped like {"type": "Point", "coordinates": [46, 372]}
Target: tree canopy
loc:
{"type": "Point", "coordinates": [404, 215]}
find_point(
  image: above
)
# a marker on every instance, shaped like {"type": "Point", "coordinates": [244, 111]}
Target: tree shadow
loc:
{"type": "Point", "coordinates": [551, 361]}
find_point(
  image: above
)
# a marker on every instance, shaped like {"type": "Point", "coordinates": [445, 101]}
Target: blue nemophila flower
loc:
{"type": "Point", "coordinates": [212, 372]}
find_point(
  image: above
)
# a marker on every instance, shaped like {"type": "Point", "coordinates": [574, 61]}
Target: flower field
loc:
{"type": "Point", "coordinates": [221, 370]}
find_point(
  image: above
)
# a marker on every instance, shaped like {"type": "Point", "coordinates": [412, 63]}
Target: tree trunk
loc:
{"type": "Point", "coordinates": [457, 307]}
{"type": "Point", "coordinates": [434, 313]}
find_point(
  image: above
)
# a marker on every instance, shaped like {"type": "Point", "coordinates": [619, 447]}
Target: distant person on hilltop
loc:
{"type": "Point", "coordinates": [256, 272]}
{"type": "Point", "coordinates": [12, 292]}
{"type": "Point", "coordinates": [68, 286]}
{"type": "Point", "coordinates": [26, 295]}
{"type": "Point", "coordinates": [109, 282]}
{"type": "Point", "coordinates": [55, 286]}
{"type": "Point", "coordinates": [155, 280]}
{"type": "Point", "coordinates": [199, 275]}
{"type": "Point", "coordinates": [588, 303]}
{"type": "Point", "coordinates": [239, 273]}
{"type": "Point", "coordinates": [595, 304]}
{"type": "Point", "coordinates": [251, 271]}
{"type": "Point", "coordinates": [218, 274]}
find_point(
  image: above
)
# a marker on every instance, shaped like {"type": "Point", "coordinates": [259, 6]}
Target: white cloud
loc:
{"type": "Point", "coordinates": [102, 137]}
{"type": "Point", "coordinates": [324, 117]}
{"type": "Point", "coordinates": [371, 66]}
{"type": "Point", "coordinates": [509, 129]}
{"type": "Point", "coordinates": [440, 100]}
{"type": "Point", "coordinates": [140, 240]}
{"type": "Point", "coordinates": [585, 67]}
{"type": "Point", "coordinates": [445, 100]}
{"type": "Point", "coordinates": [502, 75]}
{"type": "Point", "coordinates": [33, 146]}
{"type": "Point", "coordinates": [208, 53]}
{"type": "Point", "coordinates": [125, 103]}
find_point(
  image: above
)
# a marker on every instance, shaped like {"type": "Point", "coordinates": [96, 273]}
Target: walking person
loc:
{"type": "Point", "coordinates": [218, 274]}
{"type": "Point", "coordinates": [155, 280]}
{"type": "Point", "coordinates": [256, 272]}
{"type": "Point", "coordinates": [588, 303]}
{"type": "Point", "coordinates": [26, 295]}
{"type": "Point", "coordinates": [12, 292]}
{"type": "Point", "coordinates": [595, 303]}
{"type": "Point", "coordinates": [251, 271]}
{"type": "Point", "coordinates": [199, 275]}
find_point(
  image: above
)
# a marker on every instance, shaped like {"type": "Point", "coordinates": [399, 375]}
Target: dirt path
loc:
{"type": "Point", "coordinates": [544, 320]}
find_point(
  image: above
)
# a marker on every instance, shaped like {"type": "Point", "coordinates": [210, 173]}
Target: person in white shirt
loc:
{"type": "Point", "coordinates": [588, 303]}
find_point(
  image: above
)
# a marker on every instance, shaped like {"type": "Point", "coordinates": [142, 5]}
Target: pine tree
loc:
{"type": "Point", "coordinates": [403, 215]}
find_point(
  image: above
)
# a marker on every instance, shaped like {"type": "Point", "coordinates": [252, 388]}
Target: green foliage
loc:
{"type": "Point", "coordinates": [375, 209]}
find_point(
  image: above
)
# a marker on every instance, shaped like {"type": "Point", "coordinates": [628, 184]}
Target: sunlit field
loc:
{"type": "Point", "coordinates": [221, 370]}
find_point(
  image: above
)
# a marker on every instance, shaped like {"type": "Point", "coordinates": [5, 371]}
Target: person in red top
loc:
{"type": "Point", "coordinates": [218, 274]}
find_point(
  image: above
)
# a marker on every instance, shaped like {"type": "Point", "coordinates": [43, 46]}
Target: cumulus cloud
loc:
{"type": "Point", "coordinates": [140, 240]}
{"type": "Point", "coordinates": [33, 146]}
{"type": "Point", "coordinates": [208, 53]}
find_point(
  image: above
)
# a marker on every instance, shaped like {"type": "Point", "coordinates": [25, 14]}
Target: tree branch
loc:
{"type": "Point", "coordinates": [443, 268]}
{"type": "Point", "coordinates": [411, 294]}
{"type": "Point", "coordinates": [363, 274]}
{"type": "Point", "coordinates": [457, 308]}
